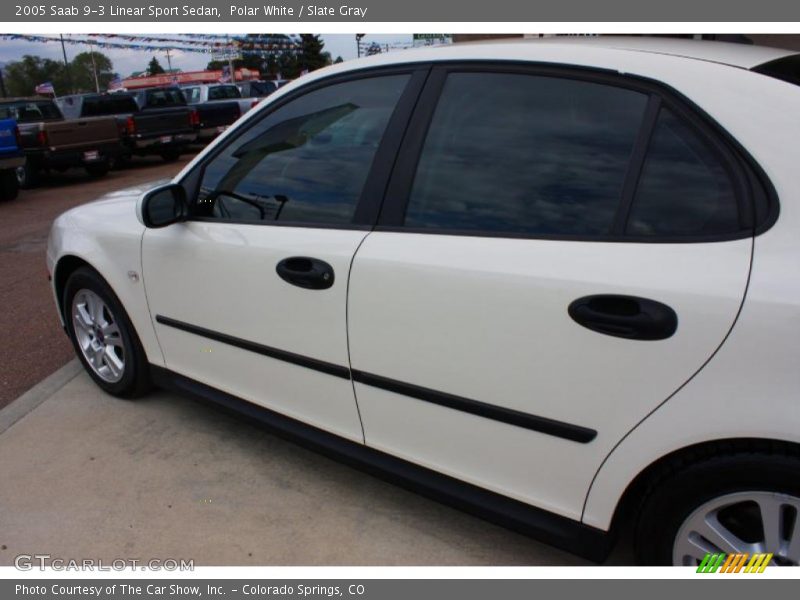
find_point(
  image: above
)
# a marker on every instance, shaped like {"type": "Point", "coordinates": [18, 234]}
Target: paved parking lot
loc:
{"type": "Point", "coordinates": [88, 475]}
{"type": "Point", "coordinates": [33, 345]}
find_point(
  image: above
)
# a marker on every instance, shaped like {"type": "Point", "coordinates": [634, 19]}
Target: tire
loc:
{"type": "Point", "coordinates": [98, 169]}
{"type": "Point", "coordinates": [9, 186]}
{"type": "Point", "coordinates": [27, 176]}
{"type": "Point", "coordinates": [108, 331]}
{"type": "Point", "coordinates": [171, 154]}
{"type": "Point", "coordinates": [730, 491]}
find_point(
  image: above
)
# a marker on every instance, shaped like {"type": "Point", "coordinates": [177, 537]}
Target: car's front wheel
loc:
{"type": "Point", "coordinates": [745, 503]}
{"type": "Point", "coordinates": [103, 336]}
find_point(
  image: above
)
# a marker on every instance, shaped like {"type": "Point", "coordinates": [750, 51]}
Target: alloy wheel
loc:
{"type": "Point", "coordinates": [98, 336]}
{"type": "Point", "coordinates": [743, 522]}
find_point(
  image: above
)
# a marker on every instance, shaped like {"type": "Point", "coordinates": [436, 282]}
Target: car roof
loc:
{"type": "Point", "coordinates": [745, 56]}
{"type": "Point", "coordinates": [585, 50]}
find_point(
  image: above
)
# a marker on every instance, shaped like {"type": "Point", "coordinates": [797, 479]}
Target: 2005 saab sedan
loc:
{"type": "Point", "coordinates": [553, 283]}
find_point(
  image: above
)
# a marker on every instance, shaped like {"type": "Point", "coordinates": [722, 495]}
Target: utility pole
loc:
{"type": "Point", "coordinates": [169, 62]}
{"type": "Point", "coordinates": [66, 64]}
{"type": "Point", "coordinates": [230, 59]}
{"type": "Point", "coordinates": [94, 67]}
{"type": "Point", "coordinates": [359, 36]}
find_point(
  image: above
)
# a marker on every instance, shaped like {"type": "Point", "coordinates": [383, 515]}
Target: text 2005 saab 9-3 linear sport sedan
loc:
{"type": "Point", "coordinates": [554, 283]}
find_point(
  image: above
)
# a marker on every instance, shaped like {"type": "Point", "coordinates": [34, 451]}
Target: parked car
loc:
{"type": "Point", "coordinates": [554, 283]}
{"type": "Point", "coordinates": [11, 158]}
{"type": "Point", "coordinates": [51, 142]}
{"type": "Point", "coordinates": [218, 106]}
{"type": "Point", "coordinates": [257, 88]}
{"type": "Point", "coordinates": [161, 130]}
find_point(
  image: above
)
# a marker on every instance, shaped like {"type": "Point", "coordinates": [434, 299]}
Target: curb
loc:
{"type": "Point", "coordinates": [40, 392]}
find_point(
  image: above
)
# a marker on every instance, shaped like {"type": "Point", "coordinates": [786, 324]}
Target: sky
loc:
{"type": "Point", "coordinates": [127, 61]}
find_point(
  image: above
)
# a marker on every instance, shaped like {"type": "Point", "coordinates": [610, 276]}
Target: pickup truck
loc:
{"type": "Point", "coordinates": [218, 106]}
{"type": "Point", "coordinates": [51, 142]}
{"type": "Point", "coordinates": [146, 127]}
{"type": "Point", "coordinates": [257, 88]}
{"type": "Point", "coordinates": [11, 158]}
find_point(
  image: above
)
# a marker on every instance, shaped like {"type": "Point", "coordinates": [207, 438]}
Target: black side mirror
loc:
{"type": "Point", "coordinates": [164, 206]}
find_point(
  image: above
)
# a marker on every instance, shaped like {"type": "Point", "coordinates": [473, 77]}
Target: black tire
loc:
{"type": "Point", "coordinates": [171, 154]}
{"type": "Point", "coordinates": [98, 169]}
{"type": "Point", "coordinates": [27, 176]}
{"type": "Point", "coordinates": [135, 380]}
{"type": "Point", "coordinates": [120, 162]}
{"type": "Point", "coordinates": [680, 491]}
{"type": "Point", "coordinates": [9, 186]}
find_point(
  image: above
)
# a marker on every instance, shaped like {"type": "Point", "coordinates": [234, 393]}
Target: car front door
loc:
{"type": "Point", "coordinates": [558, 253]}
{"type": "Point", "coordinates": [249, 294]}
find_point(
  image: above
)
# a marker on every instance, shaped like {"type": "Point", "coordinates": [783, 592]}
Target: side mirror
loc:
{"type": "Point", "coordinates": [164, 206]}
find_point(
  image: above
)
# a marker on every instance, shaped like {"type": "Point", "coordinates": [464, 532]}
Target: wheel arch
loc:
{"type": "Point", "coordinates": [134, 304]}
{"type": "Point", "coordinates": [632, 497]}
{"type": "Point", "coordinates": [65, 267]}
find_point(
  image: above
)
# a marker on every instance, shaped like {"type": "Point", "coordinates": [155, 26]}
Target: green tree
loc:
{"type": "Point", "coordinates": [154, 67]}
{"type": "Point", "coordinates": [22, 76]}
{"type": "Point", "coordinates": [338, 60]}
{"type": "Point", "coordinates": [311, 55]}
{"type": "Point", "coordinates": [81, 71]}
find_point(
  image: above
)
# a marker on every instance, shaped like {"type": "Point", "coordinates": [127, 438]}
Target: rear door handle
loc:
{"type": "Point", "coordinates": [305, 272]}
{"type": "Point", "coordinates": [627, 317]}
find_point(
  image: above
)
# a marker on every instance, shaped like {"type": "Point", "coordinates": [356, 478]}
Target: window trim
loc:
{"type": "Point", "coordinates": [369, 202]}
{"type": "Point", "coordinates": [751, 185]}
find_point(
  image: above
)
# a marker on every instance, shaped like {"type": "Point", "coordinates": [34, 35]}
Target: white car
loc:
{"type": "Point", "coordinates": [553, 283]}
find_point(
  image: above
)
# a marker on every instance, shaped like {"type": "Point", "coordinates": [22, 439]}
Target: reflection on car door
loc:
{"type": "Point", "coordinates": [526, 192]}
{"type": "Point", "coordinates": [249, 295]}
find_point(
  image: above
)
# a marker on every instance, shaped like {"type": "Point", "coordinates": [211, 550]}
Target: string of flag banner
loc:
{"type": "Point", "coordinates": [151, 44]}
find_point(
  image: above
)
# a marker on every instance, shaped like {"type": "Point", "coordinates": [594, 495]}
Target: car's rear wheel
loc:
{"type": "Point", "coordinates": [9, 186]}
{"type": "Point", "coordinates": [170, 154]}
{"type": "Point", "coordinates": [98, 169]}
{"type": "Point", "coordinates": [745, 503]}
{"type": "Point", "coordinates": [27, 175]}
{"type": "Point", "coordinates": [103, 336]}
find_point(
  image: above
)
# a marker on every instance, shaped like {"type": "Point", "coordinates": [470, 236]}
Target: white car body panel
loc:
{"type": "Point", "coordinates": [222, 277]}
{"type": "Point", "coordinates": [107, 235]}
{"type": "Point", "coordinates": [486, 319]}
{"type": "Point", "coordinates": [748, 389]}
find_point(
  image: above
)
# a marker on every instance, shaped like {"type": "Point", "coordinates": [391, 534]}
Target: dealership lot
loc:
{"type": "Point", "coordinates": [33, 343]}
{"type": "Point", "coordinates": [166, 477]}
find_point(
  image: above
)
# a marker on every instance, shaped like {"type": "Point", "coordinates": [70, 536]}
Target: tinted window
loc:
{"type": "Point", "coordinates": [100, 106]}
{"type": "Point", "coordinates": [30, 111]}
{"type": "Point", "coordinates": [525, 154]}
{"type": "Point", "coordinates": [684, 188]}
{"type": "Point", "coordinates": [164, 97]}
{"type": "Point", "coordinates": [305, 162]}
{"type": "Point", "coordinates": [786, 69]}
{"type": "Point", "coordinates": [192, 95]}
{"type": "Point", "coordinates": [223, 92]}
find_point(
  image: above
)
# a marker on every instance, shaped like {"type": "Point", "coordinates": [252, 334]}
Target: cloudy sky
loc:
{"type": "Point", "coordinates": [127, 61]}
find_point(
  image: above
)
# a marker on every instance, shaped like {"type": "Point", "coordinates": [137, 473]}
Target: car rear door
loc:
{"type": "Point", "coordinates": [559, 252]}
{"type": "Point", "coordinates": [249, 295]}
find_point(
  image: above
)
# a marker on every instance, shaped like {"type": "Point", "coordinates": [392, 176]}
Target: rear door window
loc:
{"type": "Point", "coordinates": [511, 153]}
{"type": "Point", "coordinates": [685, 187]}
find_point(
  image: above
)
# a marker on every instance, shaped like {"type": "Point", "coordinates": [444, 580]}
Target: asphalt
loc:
{"type": "Point", "coordinates": [85, 475]}
{"type": "Point", "coordinates": [33, 344]}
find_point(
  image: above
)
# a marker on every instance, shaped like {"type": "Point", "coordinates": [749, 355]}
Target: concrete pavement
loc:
{"type": "Point", "coordinates": [87, 475]}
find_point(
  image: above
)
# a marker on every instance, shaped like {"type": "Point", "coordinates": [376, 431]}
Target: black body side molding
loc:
{"type": "Point", "coordinates": [556, 530]}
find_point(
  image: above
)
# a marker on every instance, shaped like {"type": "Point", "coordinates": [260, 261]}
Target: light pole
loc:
{"type": "Point", "coordinates": [94, 67]}
{"type": "Point", "coordinates": [359, 36]}
{"type": "Point", "coordinates": [66, 64]}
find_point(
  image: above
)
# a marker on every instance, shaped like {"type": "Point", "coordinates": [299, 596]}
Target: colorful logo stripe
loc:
{"type": "Point", "coordinates": [734, 563]}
